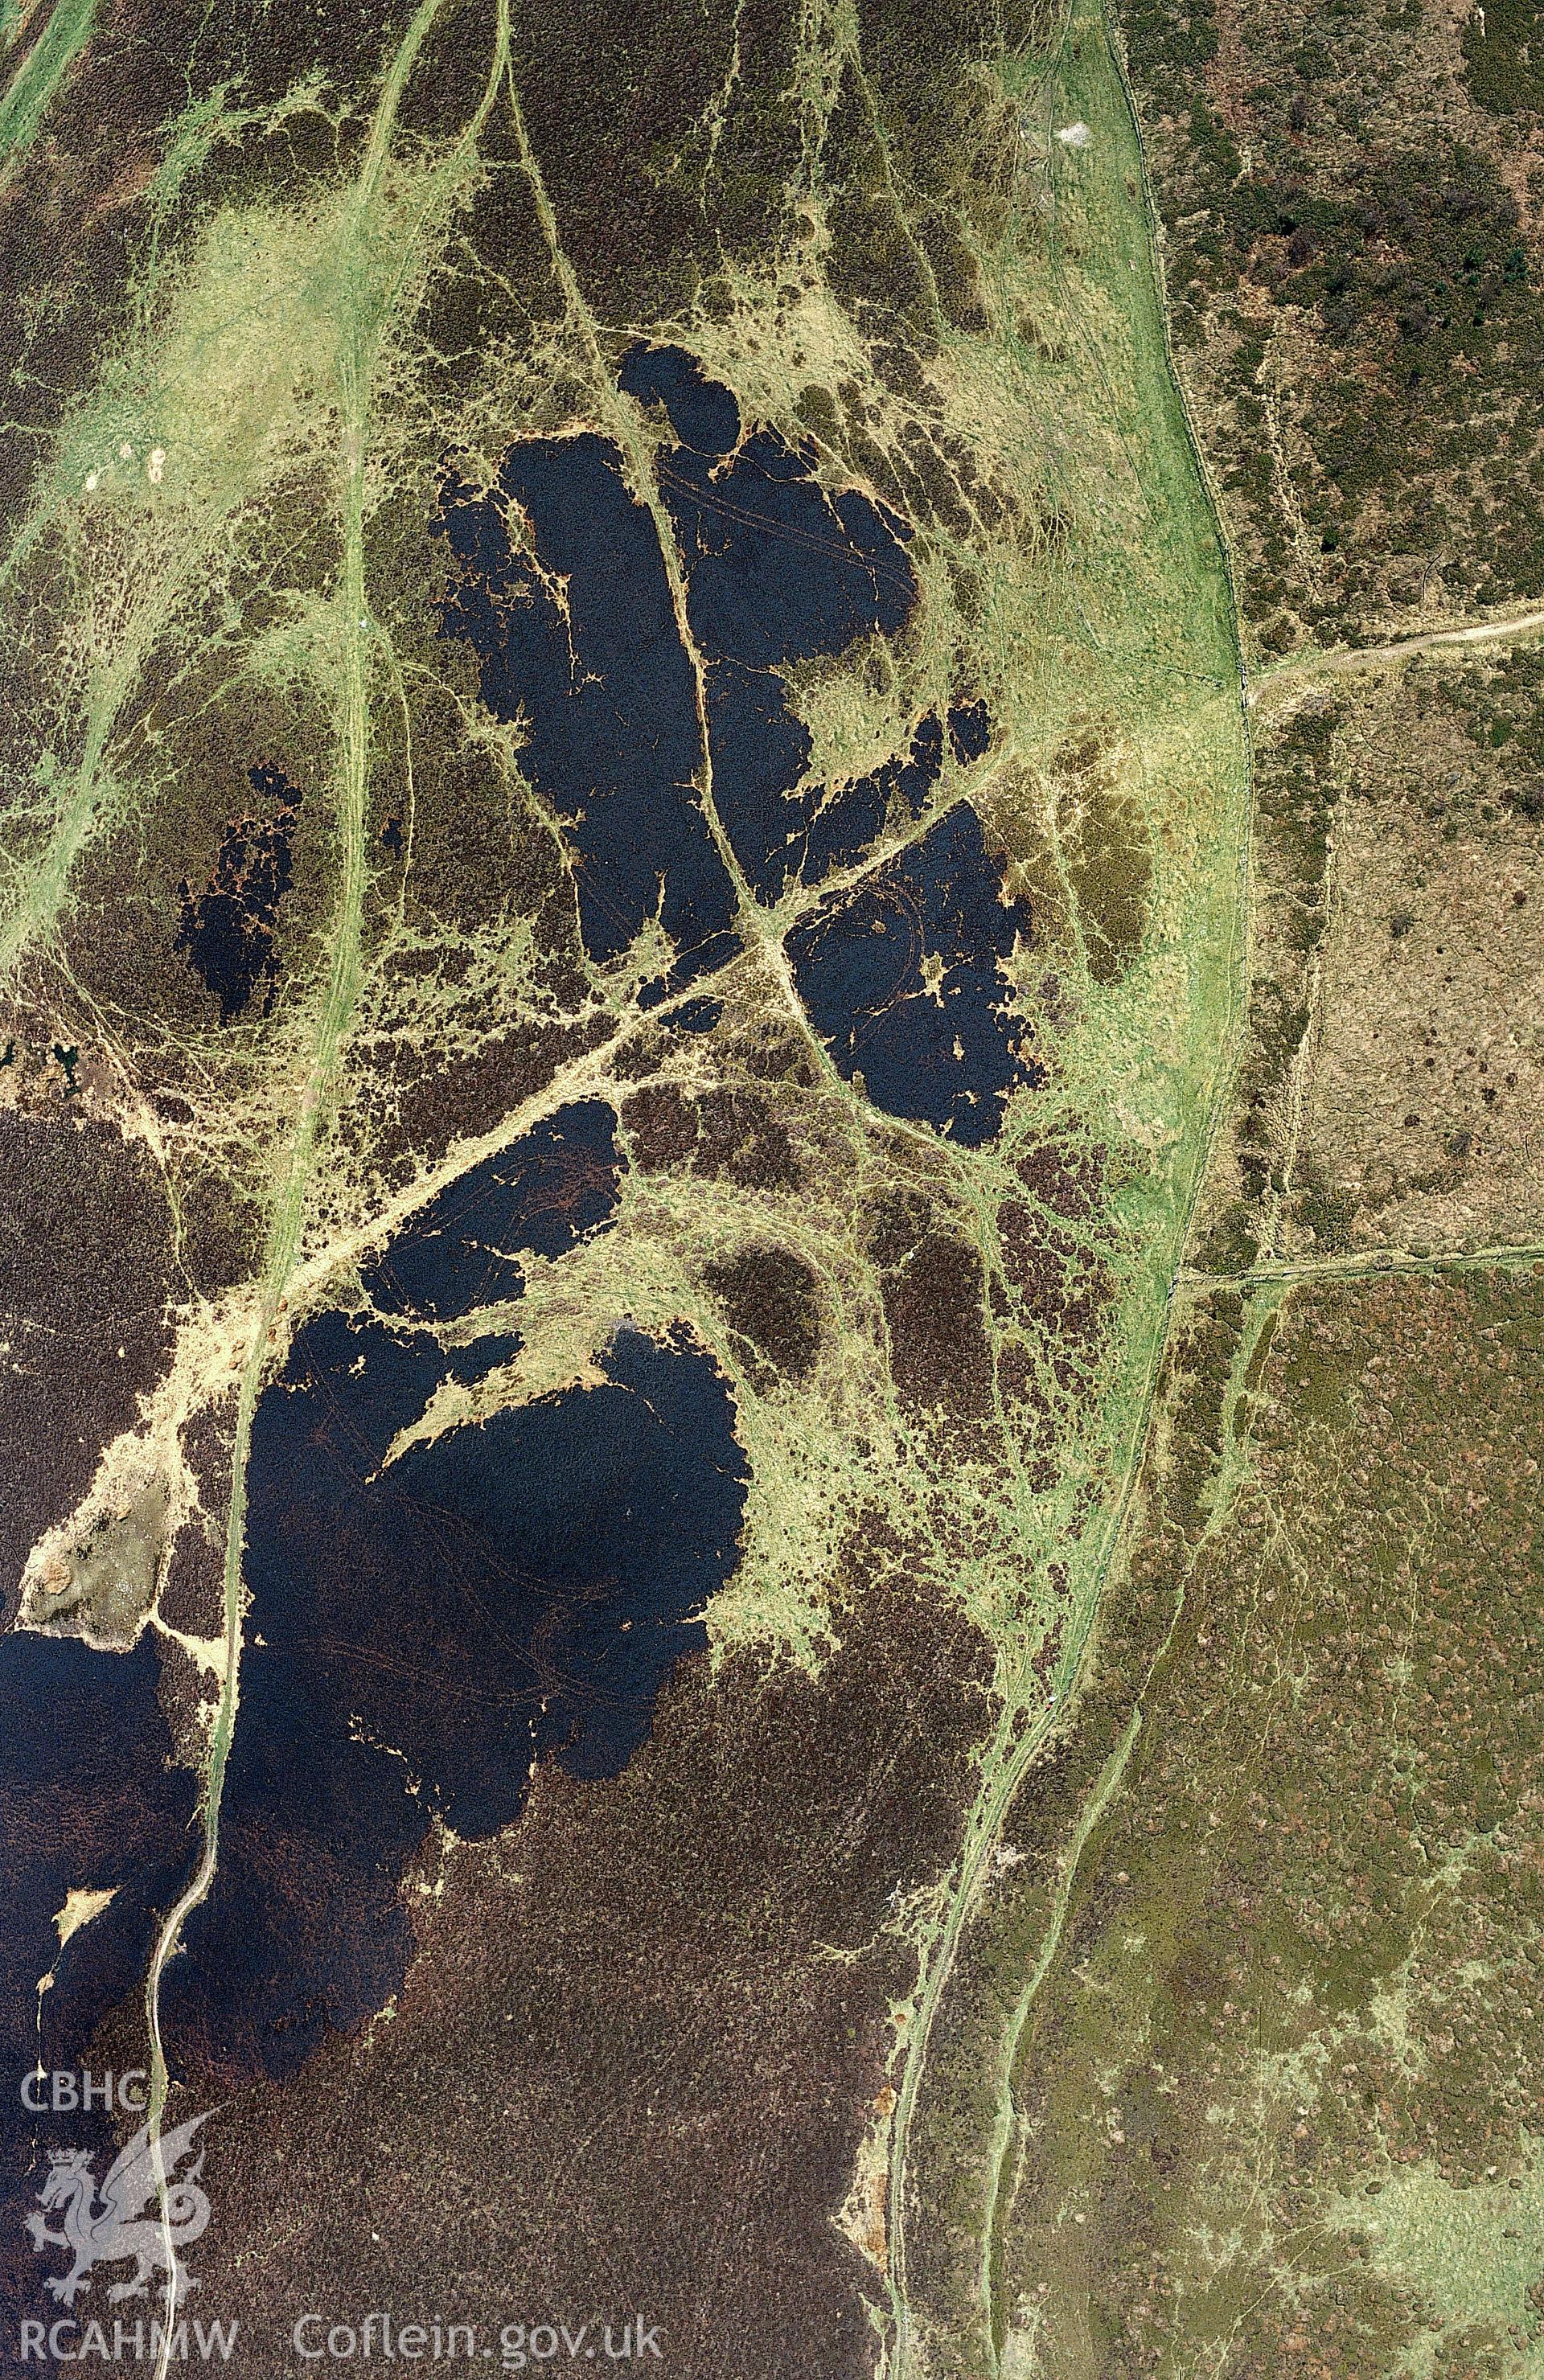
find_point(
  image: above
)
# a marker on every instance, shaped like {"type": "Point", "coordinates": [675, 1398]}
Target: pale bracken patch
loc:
{"type": "Point", "coordinates": [83, 1902]}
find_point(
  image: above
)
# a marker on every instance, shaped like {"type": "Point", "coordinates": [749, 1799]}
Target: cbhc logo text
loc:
{"type": "Point", "coordinates": [70, 2091]}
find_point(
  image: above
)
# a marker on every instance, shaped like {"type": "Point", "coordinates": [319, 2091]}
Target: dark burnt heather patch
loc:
{"type": "Point", "coordinates": [571, 622]}
{"type": "Point", "coordinates": [969, 730]}
{"type": "Point", "coordinates": [86, 1270]}
{"type": "Point", "coordinates": [901, 976]}
{"type": "Point", "coordinates": [88, 1802]}
{"type": "Point", "coordinates": [771, 1301]}
{"type": "Point", "coordinates": [556, 1183]}
{"type": "Point", "coordinates": [576, 637]}
{"type": "Point", "coordinates": [842, 821]}
{"type": "Point", "coordinates": [702, 415]}
{"type": "Point", "coordinates": [626, 2027]}
{"type": "Point", "coordinates": [778, 569]}
{"type": "Point", "coordinates": [205, 892]}
{"type": "Point", "coordinates": [228, 929]}
{"type": "Point", "coordinates": [422, 1633]}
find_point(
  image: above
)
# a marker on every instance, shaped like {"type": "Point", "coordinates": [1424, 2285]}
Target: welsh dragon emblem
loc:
{"type": "Point", "coordinates": [126, 2219]}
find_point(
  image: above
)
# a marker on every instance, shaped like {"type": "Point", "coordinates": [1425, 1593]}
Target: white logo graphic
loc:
{"type": "Point", "coordinates": [126, 2220]}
